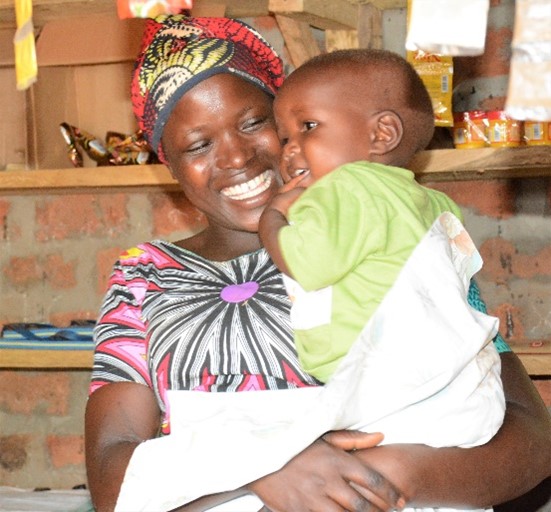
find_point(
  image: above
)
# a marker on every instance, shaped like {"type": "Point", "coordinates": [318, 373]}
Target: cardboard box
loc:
{"type": "Point", "coordinates": [84, 74]}
{"type": "Point", "coordinates": [13, 141]}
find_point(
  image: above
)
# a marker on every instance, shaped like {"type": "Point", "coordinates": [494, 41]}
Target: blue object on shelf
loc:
{"type": "Point", "coordinates": [39, 336]}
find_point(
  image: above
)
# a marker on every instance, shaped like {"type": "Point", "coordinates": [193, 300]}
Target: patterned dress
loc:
{"type": "Point", "coordinates": [174, 320]}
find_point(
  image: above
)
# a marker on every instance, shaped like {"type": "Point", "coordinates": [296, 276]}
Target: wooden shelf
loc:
{"type": "Point", "coordinates": [429, 166]}
{"type": "Point", "coordinates": [87, 179]}
{"type": "Point", "coordinates": [482, 164]}
{"type": "Point", "coordinates": [46, 359]}
{"type": "Point", "coordinates": [534, 355]}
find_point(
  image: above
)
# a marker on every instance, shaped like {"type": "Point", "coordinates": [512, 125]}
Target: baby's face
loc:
{"type": "Point", "coordinates": [320, 125]}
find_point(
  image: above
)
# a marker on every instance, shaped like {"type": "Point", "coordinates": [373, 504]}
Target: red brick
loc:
{"type": "Point", "coordinates": [498, 255]}
{"type": "Point", "coordinates": [114, 213]}
{"type": "Point", "coordinates": [59, 273]}
{"type": "Point", "coordinates": [13, 452]}
{"type": "Point", "coordinates": [23, 271]}
{"type": "Point", "coordinates": [494, 62]}
{"type": "Point", "coordinates": [493, 198]}
{"type": "Point", "coordinates": [74, 216]}
{"type": "Point", "coordinates": [66, 450]}
{"type": "Point", "coordinates": [503, 261]}
{"type": "Point", "coordinates": [27, 393]}
{"type": "Point", "coordinates": [544, 389]}
{"type": "Point", "coordinates": [173, 212]}
{"type": "Point", "coordinates": [4, 210]}
{"type": "Point", "coordinates": [510, 323]}
{"type": "Point", "coordinates": [105, 259]}
{"type": "Point", "coordinates": [526, 266]}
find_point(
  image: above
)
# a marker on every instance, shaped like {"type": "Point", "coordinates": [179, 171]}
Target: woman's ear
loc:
{"type": "Point", "coordinates": [170, 170]}
{"type": "Point", "coordinates": [387, 131]}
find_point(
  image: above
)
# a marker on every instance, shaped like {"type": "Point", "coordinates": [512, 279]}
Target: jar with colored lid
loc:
{"type": "Point", "coordinates": [470, 129]}
{"type": "Point", "coordinates": [503, 131]}
{"type": "Point", "coordinates": [537, 133]}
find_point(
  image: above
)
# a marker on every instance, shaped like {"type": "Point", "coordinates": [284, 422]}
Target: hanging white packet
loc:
{"type": "Point", "coordinates": [529, 94]}
{"type": "Point", "coordinates": [451, 27]}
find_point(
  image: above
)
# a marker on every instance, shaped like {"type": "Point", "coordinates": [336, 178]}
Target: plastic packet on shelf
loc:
{"type": "Point", "coordinates": [129, 149]}
{"type": "Point", "coordinates": [436, 71]}
{"type": "Point", "coordinates": [150, 8]}
{"type": "Point", "coordinates": [92, 146]}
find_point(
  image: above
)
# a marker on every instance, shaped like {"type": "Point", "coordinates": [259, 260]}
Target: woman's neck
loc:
{"type": "Point", "coordinates": [221, 244]}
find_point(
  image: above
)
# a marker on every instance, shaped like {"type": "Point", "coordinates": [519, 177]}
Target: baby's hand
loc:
{"type": "Point", "coordinates": [284, 198]}
{"type": "Point", "coordinates": [295, 181]}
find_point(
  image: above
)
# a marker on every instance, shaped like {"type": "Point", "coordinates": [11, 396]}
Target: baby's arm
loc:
{"type": "Point", "coordinates": [274, 218]}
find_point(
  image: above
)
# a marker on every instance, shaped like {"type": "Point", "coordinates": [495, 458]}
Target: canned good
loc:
{"type": "Point", "coordinates": [470, 129]}
{"type": "Point", "coordinates": [537, 133]}
{"type": "Point", "coordinates": [503, 131]}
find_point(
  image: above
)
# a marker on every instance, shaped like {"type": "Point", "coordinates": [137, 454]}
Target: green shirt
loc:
{"type": "Point", "coordinates": [353, 230]}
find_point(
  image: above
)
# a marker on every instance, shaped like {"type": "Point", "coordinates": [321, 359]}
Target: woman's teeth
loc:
{"type": "Point", "coordinates": [249, 189]}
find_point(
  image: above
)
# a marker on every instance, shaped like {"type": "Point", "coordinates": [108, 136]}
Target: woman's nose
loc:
{"type": "Point", "coordinates": [233, 152]}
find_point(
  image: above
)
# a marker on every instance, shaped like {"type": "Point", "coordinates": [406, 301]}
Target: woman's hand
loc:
{"type": "Point", "coordinates": [327, 479]}
{"type": "Point", "coordinates": [351, 440]}
{"type": "Point", "coordinates": [513, 462]}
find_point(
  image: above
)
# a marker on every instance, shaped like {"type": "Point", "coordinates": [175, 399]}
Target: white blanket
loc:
{"type": "Point", "coordinates": [424, 370]}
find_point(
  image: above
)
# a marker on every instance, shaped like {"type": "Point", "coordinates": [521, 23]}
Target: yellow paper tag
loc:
{"type": "Point", "coordinates": [26, 69]}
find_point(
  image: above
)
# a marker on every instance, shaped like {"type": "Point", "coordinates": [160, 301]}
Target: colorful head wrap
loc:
{"type": "Point", "coordinates": [179, 51]}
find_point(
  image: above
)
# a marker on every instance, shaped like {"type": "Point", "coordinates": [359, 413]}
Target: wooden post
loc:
{"type": "Point", "coordinates": [299, 40]}
{"type": "Point", "coordinates": [341, 39]}
{"type": "Point", "coordinates": [370, 27]}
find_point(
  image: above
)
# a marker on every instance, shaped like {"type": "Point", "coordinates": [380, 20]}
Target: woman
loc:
{"type": "Point", "coordinates": [210, 312]}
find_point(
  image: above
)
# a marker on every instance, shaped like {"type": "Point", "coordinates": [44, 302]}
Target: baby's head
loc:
{"type": "Point", "coordinates": [351, 105]}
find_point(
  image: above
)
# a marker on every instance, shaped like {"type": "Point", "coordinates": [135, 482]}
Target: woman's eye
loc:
{"type": "Point", "coordinates": [198, 147]}
{"type": "Point", "coordinates": [309, 125]}
{"type": "Point", "coordinates": [253, 123]}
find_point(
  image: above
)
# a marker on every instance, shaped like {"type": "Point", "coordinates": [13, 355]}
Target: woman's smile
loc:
{"type": "Point", "coordinates": [251, 188]}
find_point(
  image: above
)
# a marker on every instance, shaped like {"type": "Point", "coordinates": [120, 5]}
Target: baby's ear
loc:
{"type": "Point", "coordinates": [387, 131]}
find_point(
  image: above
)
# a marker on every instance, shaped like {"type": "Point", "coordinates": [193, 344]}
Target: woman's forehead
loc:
{"type": "Point", "coordinates": [221, 96]}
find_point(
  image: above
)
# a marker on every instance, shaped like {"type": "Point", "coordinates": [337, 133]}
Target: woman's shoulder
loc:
{"type": "Point", "coordinates": [157, 255]}
{"type": "Point", "coordinates": [151, 252]}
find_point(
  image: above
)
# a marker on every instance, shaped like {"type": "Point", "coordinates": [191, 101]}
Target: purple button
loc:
{"type": "Point", "coordinates": [239, 292]}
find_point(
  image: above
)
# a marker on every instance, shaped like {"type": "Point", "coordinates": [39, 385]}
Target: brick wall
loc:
{"type": "Point", "coordinates": [56, 252]}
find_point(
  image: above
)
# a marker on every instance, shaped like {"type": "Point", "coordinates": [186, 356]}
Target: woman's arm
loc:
{"type": "Point", "coordinates": [119, 416]}
{"type": "Point", "coordinates": [512, 463]}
